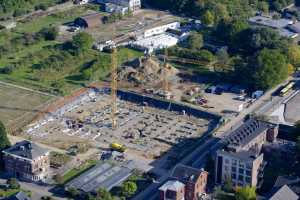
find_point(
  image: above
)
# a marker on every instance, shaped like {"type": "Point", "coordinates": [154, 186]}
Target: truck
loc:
{"type": "Point", "coordinates": [117, 147]}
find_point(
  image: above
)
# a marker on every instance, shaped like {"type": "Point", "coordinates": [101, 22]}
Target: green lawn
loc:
{"type": "Point", "coordinates": [42, 79]}
{"type": "Point", "coordinates": [75, 172]}
{"type": "Point", "coordinates": [51, 20]}
{"type": "Point", "coordinates": [25, 58]}
{"type": "Point", "coordinates": [9, 192]}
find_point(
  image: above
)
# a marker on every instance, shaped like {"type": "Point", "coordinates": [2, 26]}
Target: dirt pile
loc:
{"type": "Point", "coordinates": [145, 71]}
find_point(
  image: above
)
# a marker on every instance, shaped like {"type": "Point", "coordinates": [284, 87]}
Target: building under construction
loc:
{"type": "Point", "coordinates": [143, 124]}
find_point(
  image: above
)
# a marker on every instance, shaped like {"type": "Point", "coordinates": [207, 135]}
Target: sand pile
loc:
{"type": "Point", "coordinates": [146, 71]}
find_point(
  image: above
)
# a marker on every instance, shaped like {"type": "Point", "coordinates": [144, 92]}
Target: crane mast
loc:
{"type": "Point", "coordinates": [114, 87]}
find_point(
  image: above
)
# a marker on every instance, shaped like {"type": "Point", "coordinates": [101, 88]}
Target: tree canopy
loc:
{"type": "Point", "coordinates": [82, 41]}
{"type": "Point", "coordinates": [195, 41]}
{"type": "Point", "coordinates": [104, 195]}
{"type": "Point", "coordinates": [4, 142]}
{"type": "Point", "coordinates": [245, 193]}
{"type": "Point", "coordinates": [271, 69]}
{"type": "Point", "coordinates": [128, 188]}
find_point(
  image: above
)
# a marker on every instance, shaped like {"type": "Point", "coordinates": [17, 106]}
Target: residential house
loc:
{"type": "Point", "coordinates": [172, 190]}
{"type": "Point", "coordinates": [195, 180]}
{"type": "Point", "coordinates": [27, 160]}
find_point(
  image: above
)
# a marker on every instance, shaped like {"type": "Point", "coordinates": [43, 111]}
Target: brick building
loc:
{"type": "Point", "coordinates": [194, 180]}
{"type": "Point", "coordinates": [26, 160]}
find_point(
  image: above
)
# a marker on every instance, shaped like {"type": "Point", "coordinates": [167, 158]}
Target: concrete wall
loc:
{"type": "Point", "coordinates": [167, 105]}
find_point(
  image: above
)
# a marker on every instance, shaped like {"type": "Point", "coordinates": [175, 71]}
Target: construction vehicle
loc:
{"type": "Point", "coordinates": [117, 147]}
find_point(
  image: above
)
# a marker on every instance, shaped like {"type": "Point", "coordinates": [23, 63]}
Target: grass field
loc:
{"type": "Point", "coordinates": [16, 103]}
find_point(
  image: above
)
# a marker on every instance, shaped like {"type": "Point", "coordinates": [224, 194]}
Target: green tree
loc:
{"type": "Point", "coordinates": [208, 18]}
{"type": "Point", "coordinates": [103, 194]}
{"type": "Point", "coordinates": [195, 41]}
{"type": "Point", "coordinates": [73, 192]}
{"type": "Point", "coordinates": [263, 6]}
{"type": "Point", "coordinates": [4, 141]}
{"type": "Point", "coordinates": [245, 193]}
{"type": "Point", "coordinates": [228, 186]}
{"type": "Point", "coordinates": [82, 42]}
{"type": "Point", "coordinates": [49, 33]}
{"type": "Point", "coordinates": [270, 69]}
{"type": "Point", "coordinates": [128, 188]}
{"type": "Point", "coordinates": [294, 55]}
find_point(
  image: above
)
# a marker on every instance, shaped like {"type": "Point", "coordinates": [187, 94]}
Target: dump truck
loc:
{"type": "Point", "coordinates": [117, 147]}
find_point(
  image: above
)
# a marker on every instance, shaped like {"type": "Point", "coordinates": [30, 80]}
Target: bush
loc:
{"type": "Point", "coordinates": [13, 183]}
{"type": "Point", "coordinates": [49, 33]}
{"type": "Point", "coordinates": [19, 12]}
{"type": "Point", "coordinates": [128, 188]}
{"type": "Point", "coordinates": [41, 7]}
{"type": "Point", "coordinates": [7, 70]}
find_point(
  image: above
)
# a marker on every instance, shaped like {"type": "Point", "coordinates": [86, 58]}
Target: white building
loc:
{"type": "Point", "coordinates": [133, 5]}
{"type": "Point", "coordinates": [113, 8]}
{"type": "Point", "coordinates": [161, 29]}
{"type": "Point", "coordinates": [155, 42]}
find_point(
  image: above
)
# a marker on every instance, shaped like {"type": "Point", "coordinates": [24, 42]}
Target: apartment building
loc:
{"type": "Point", "coordinates": [26, 160]}
{"type": "Point", "coordinates": [242, 168]}
{"type": "Point", "coordinates": [241, 160]}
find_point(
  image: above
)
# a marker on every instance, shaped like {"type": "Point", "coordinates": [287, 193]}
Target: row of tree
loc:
{"type": "Point", "coordinates": [16, 8]}
{"type": "Point", "coordinates": [212, 11]}
{"type": "Point", "coordinates": [126, 190]}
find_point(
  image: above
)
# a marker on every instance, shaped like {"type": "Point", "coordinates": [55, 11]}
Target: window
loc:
{"type": "Point", "coordinates": [226, 161]}
{"type": "Point", "coordinates": [241, 165]}
{"type": "Point", "coordinates": [248, 173]}
{"type": "Point", "coordinates": [248, 166]}
{"type": "Point", "coordinates": [248, 180]}
{"type": "Point", "coordinates": [241, 178]}
{"type": "Point", "coordinates": [241, 170]}
{"type": "Point", "coordinates": [226, 168]}
{"type": "Point", "coordinates": [233, 169]}
{"type": "Point", "coordinates": [234, 162]}
{"type": "Point", "coordinates": [233, 176]}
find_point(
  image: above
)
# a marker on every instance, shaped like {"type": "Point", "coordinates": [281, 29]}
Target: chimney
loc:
{"type": "Point", "coordinates": [22, 148]}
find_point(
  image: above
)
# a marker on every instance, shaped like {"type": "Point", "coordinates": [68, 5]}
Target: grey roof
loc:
{"type": "Point", "coordinates": [172, 185]}
{"type": "Point", "coordinates": [292, 182]}
{"type": "Point", "coordinates": [294, 27]}
{"type": "Point", "coordinates": [187, 174]}
{"type": "Point", "coordinates": [287, 33]}
{"type": "Point", "coordinates": [103, 175]}
{"type": "Point", "coordinates": [19, 196]}
{"type": "Point", "coordinates": [248, 131]}
{"type": "Point", "coordinates": [26, 149]}
{"type": "Point", "coordinates": [284, 193]}
{"type": "Point", "coordinates": [246, 156]}
{"type": "Point", "coordinates": [273, 23]}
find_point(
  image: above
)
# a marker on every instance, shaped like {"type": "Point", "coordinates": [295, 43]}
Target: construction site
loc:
{"type": "Point", "coordinates": [147, 130]}
{"type": "Point", "coordinates": [145, 127]}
